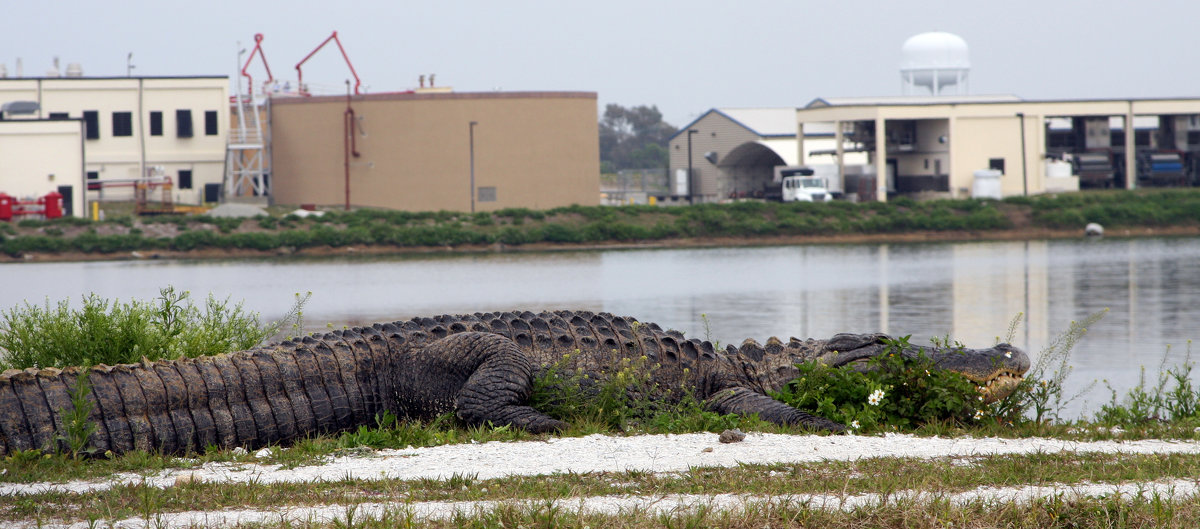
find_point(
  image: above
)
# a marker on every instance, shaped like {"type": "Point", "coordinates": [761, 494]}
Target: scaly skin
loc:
{"type": "Point", "coordinates": [480, 366]}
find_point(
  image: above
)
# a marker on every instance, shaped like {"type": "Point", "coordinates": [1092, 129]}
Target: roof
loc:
{"type": "Point", "coordinates": [910, 100]}
{"type": "Point", "coordinates": [767, 122]}
{"type": "Point", "coordinates": [412, 96]}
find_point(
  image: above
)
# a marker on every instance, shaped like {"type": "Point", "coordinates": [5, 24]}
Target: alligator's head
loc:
{"type": "Point", "coordinates": [995, 370]}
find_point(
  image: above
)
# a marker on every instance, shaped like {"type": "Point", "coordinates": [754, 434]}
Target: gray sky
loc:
{"type": "Point", "coordinates": [684, 56]}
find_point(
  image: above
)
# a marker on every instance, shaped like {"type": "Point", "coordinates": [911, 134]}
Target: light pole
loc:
{"type": "Point", "coordinates": [691, 184]}
{"type": "Point", "coordinates": [1024, 171]}
{"type": "Point", "coordinates": [472, 140]}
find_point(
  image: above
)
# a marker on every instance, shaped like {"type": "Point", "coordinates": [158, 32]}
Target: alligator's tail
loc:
{"type": "Point", "coordinates": [253, 398]}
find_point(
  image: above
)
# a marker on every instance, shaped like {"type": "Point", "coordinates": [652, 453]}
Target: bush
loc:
{"type": "Point", "coordinates": [896, 392]}
{"type": "Point", "coordinates": [104, 332]}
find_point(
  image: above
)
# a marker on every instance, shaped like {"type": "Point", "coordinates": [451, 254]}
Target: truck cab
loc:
{"type": "Point", "coordinates": [805, 188]}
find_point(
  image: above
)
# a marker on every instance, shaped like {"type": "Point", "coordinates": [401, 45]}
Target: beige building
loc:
{"type": "Point", "coordinates": [26, 176]}
{"type": "Point", "coordinates": [738, 152]}
{"type": "Point", "coordinates": [134, 127]}
{"type": "Point", "coordinates": [934, 146]}
{"type": "Point", "coordinates": [417, 151]}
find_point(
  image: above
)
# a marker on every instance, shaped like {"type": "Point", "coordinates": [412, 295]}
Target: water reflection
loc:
{"type": "Point", "coordinates": [969, 291]}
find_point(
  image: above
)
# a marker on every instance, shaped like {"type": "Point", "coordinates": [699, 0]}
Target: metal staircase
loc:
{"type": "Point", "coordinates": [248, 151]}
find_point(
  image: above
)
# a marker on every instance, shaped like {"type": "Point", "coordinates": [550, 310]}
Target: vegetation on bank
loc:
{"type": "Point", "coordinates": [600, 224]}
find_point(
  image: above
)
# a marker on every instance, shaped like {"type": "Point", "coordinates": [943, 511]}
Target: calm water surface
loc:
{"type": "Point", "coordinates": [969, 291]}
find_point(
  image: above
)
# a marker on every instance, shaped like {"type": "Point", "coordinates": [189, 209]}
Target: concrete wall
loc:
{"type": "Point", "coordinates": [121, 157]}
{"type": "Point", "coordinates": [26, 171]}
{"type": "Point", "coordinates": [533, 149]}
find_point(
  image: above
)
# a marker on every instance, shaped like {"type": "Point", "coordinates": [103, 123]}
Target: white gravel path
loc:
{"type": "Point", "coordinates": [613, 505]}
{"type": "Point", "coordinates": [601, 453]}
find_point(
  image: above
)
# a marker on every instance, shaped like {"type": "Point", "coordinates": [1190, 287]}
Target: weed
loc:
{"type": "Point", "coordinates": [77, 428]}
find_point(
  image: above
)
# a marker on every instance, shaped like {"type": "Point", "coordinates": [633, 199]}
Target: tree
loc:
{"type": "Point", "coordinates": [633, 138]}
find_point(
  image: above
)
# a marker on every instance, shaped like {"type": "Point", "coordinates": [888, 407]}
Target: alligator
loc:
{"type": "Point", "coordinates": [480, 366]}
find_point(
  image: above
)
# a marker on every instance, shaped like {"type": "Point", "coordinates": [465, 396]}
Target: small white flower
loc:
{"type": "Point", "coordinates": [876, 397]}
{"type": "Point", "coordinates": [1008, 354]}
{"type": "Point", "coordinates": [978, 414]}
{"type": "Point", "coordinates": [854, 424]}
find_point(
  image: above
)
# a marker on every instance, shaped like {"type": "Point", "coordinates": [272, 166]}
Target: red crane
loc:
{"type": "Point", "coordinates": [300, 74]}
{"type": "Point", "coordinates": [258, 37]}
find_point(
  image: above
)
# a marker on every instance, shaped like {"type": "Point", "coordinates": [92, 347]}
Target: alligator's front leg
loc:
{"type": "Point", "coordinates": [496, 380]}
{"type": "Point", "coordinates": [745, 401]}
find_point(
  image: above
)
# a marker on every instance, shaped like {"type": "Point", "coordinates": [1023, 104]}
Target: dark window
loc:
{"type": "Point", "coordinates": [210, 123]}
{"type": "Point", "coordinates": [122, 124]}
{"type": "Point", "coordinates": [92, 119]}
{"type": "Point", "coordinates": [997, 164]}
{"type": "Point", "coordinates": [59, 115]}
{"type": "Point", "coordinates": [93, 175]}
{"type": "Point", "coordinates": [183, 123]}
{"type": "Point", "coordinates": [185, 179]}
{"type": "Point", "coordinates": [156, 123]}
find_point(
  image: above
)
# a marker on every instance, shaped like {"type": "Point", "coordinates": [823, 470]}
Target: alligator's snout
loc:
{"type": "Point", "coordinates": [996, 370]}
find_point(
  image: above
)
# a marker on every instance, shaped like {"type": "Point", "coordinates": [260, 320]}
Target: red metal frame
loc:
{"type": "Point", "coordinates": [258, 37]}
{"type": "Point", "coordinates": [300, 73]}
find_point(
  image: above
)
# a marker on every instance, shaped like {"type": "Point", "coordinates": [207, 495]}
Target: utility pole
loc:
{"type": "Point", "coordinates": [472, 140]}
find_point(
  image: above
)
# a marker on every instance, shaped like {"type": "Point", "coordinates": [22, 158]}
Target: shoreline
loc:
{"type": "Point", "coordinates": [691, 242]}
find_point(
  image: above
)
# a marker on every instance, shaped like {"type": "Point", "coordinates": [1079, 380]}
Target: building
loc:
{"type": "Point", "coordinates": [133, 128]}
{"type": "Point", "coordinates": [936, 146]}
{"type": "Point", "coordinates": [28, 177]}
{"type": "Point", "coordinates": [738, 152]}
{"type": "Point", "coordinates": [427, 151]}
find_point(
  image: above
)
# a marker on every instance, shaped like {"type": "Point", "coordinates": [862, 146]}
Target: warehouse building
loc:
{"type": "Point", "coordinates": [425, 151]}
{"type": "Point", "coordinates": [949, 145]}
{"type": "Point", "coordinates": [132, 128]}
{"type": "Point", "coordinates": [739, 153]}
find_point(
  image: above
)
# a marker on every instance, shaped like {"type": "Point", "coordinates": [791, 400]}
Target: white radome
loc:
{"type": "Point", "coordinates": [935, 56]}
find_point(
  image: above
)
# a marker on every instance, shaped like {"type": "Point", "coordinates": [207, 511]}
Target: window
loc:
{"type": "Point", "coordinates": [210, 123]}
{"type": "Point", "coordinates": [93, 175]}
{"type": "Point", "coordinates": [185, 179]}
{"type": "Point", "coordinates": [122, 123]}
{"type": "Point", "coordinates": [997, 164]}
{"type": "Point", "coordinates": [487, 194]}
{"type": "Point", "coordinates": [156, 123]}
{"type": "Point", "coordinates": [59, 115]}
{"type": "Point", "coordinates": [91, 119]}
{"type": "Point", "coordinates": [183, 123]}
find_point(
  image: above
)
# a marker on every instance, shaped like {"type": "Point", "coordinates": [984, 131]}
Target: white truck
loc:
{"type": "Point", "coordinates": [805, 188]}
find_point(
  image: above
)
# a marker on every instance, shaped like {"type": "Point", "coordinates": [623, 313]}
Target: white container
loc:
{"type": "Point", "coordinates": [987, 184]}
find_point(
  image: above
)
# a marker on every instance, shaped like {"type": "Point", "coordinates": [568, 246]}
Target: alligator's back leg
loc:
{"type": "Point", "coordinates": [745, 401]}
{"type": "Point", "coordinates": [498, 379]}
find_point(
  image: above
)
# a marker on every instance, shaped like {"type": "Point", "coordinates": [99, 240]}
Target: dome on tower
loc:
{"type": "Point", "coordinates": [934, 60]}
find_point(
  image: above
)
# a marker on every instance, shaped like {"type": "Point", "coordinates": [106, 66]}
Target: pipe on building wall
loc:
{"type": "Point", "coordinates": [141, 130]}
{"type": "Point", "coordinates": [349, 144]}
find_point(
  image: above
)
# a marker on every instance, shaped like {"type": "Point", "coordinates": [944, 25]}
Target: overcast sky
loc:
{"type": "Point", "coordinates": [685, 56]}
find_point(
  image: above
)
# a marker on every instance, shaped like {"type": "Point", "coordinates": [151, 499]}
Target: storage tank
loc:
{"type": "Point", "coordinates": [933, 61]}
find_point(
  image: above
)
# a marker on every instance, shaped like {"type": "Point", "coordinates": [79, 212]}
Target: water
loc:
{"type": "Point", "coordinates": [968, 291]}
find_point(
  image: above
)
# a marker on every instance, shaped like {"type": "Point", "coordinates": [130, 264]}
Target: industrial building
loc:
{"type": "Point", "coordinates": [942, 146]}
{"type": "Point", "coordinates": [740, 152]}
{"type": "Point", "coordinates": [436, 150]}
{"type": "Point", "coordinates": [113, 132]}
{"type": "Point", "coordinates": [936, 140]}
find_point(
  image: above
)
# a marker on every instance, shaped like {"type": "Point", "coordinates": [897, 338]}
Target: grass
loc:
{"type": "Point", "coordinates": [599, 224]}
{"type": "Point", "coordinates": [883, 476]}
